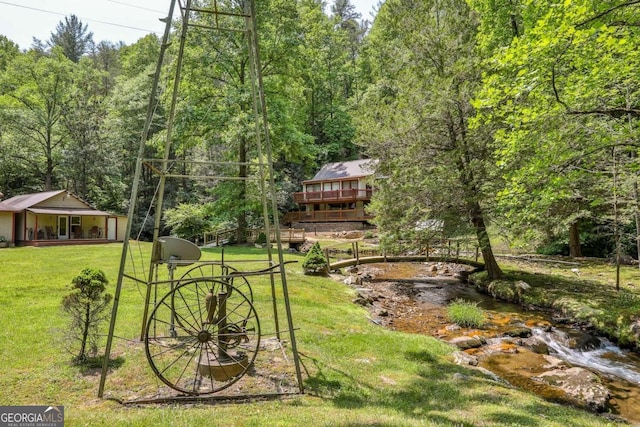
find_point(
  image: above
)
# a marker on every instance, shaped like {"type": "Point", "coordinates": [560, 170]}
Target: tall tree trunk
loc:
{"type": "Point", "coordinates": [574, 240]}
{"type": "Point", "coordinates": [636, 214]}
{"type": "Point", "coordinates": [490, 263]}
{"type": "Point", "coordinates": [86, 322]}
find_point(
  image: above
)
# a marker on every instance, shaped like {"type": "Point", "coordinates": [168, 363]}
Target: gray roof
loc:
{"type": "Point", "coordinates": [350, 169]}
{"type": "Point", "coordinates": [20, 203]}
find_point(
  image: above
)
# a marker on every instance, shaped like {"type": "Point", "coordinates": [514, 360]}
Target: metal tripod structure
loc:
{"type": "Point", "coordinates": [209, 312]}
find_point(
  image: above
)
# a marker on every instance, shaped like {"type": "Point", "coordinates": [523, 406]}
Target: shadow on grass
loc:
{"type": "Point", "coordinates": [441, 394]}
{"type": "Point", "coordinates": [93, 365]}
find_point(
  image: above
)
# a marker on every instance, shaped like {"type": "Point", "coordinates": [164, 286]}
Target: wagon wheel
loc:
{"type": "Point", "coordinates": [214, 343]}
{"type": "Point", "coordinates": [222, 271]}
{"type": "Point", "coordinates": [221, 275]}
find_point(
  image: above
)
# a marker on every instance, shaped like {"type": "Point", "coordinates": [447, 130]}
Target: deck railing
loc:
{"type": "Point", "coordinates": [327, 216]}
{"type": "Point", "coordinates": [347, 195]}
{"type": "Point", "coordinates": [287, 235]}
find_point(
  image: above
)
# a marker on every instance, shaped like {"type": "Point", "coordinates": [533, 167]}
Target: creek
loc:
{"type": "Point", "coordinates": [412, 297]}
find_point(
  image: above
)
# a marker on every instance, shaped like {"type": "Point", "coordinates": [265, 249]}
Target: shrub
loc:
{"type": "Point", "coordinates": [466, 313]}
{"type": "Point", "coordinates": [262, 238]}
{"type": "Point", "coordinates": [86, 306]}
{"type": "Point", "coordinates": [188, 221]}
{"type": "Point", "coordinates": [315, 262]}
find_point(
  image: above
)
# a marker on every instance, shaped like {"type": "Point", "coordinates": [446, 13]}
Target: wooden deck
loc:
{"type": "Point", "coordinates": [62, 242]}
{"type": "Point", "coordinates": [346, 215]}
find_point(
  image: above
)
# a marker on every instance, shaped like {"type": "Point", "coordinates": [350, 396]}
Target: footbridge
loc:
{"type": "Point", "coordinates": [443, 253]}
{"type": "Point", "coordinates": [336, 265]}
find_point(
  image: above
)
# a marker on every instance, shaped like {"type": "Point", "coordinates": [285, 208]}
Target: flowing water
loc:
{"type": "Point", "coordinates": [618, 369]}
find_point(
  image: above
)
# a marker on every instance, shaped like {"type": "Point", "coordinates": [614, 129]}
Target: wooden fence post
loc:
{"type": "Point", "coordinates": [326, 255]}
{"type": "Point", "coordinates": [357, 254]}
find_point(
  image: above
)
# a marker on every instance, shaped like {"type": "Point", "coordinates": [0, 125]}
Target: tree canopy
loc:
{"type": "Point", "coordinates": [513, 117]}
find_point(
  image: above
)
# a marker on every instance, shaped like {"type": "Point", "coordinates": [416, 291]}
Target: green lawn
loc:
{"type": "Point", "coordinates": [355, 373]}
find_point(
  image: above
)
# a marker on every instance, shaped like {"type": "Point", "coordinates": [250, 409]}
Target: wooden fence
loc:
{"type": "Point", "coordinates": [223, 237]}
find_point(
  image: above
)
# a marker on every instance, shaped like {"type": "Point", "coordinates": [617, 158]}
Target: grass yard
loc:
{"type": "Point", "coordinates": [355, 372]}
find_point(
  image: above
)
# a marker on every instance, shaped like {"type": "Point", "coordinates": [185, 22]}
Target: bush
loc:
{"type": "Point", "coordinates": [188, 221]}
{"type": "Point", "coordinates": [86, 306]}
{"type": "Point", "coordinates": [466, 313]}
{"type": "Point", "coordinates": [262, 238]}
{"type": "Point", "coordinates": [315, 262]}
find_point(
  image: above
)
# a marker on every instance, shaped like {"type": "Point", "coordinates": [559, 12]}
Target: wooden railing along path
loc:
{"type": "Point", "coordinates": [222, 237]}
{"type": "Point", "coordinates": [358, 256]}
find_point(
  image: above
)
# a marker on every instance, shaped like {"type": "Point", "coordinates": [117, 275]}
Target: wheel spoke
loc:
{"type": "Point", "coordinates": [221, 350]}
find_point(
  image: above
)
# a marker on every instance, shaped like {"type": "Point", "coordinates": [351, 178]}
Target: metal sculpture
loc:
{"type": "Point", "coordinates": [201, 330]}
{"type": "Point", "coordinates": [216, 339]}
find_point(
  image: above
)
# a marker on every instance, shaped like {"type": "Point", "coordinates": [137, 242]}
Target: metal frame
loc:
{"type": "Point", "coordinates": [161, 168]}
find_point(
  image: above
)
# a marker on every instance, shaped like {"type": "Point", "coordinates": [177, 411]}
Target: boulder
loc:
{"type": "Point", "coordinates": [518, 332]}
{"type": "Point", "coordinates": [536, 345]}
{"type": "Point", "coordinates": [462, 358]}
{"type": "Point", "coordinates": [504, 289]}
{"type": "Point", "coordinates": [353, 280]}
{"type": "Point", "coordinates": [465, 343]}
{"type": "Point", "coordinates": [580, 385]}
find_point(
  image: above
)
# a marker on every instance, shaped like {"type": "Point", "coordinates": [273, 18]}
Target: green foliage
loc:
{"type": "Point", "coordinates": [466, 313]}
{"type": "Point", "coordinates": [34, 93]}
{"type": "Point", "coordinates": [560, 93]}
{"type": "Point", "coordinates": [262, 238]}
{"type": "Point", "coordinates": [414, 118]}
{"type": "Point", "coordinates": [315, 261]}
{"type": "Point", "coordinates": [86, 306]}
{"type": "Point", "coordinates": [188, 221]}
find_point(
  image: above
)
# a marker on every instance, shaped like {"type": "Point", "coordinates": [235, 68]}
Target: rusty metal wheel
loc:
{"type": "Point", "coordinates": [219, 271]}
{"type": "Point", "coordinates": [202, 336]}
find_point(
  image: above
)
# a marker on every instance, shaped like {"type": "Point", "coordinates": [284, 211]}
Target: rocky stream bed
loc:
{"type": "Point", "coordinates": [526, 349]}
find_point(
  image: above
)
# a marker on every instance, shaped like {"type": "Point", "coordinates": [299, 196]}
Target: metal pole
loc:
{"type": "Point", "coordinates": [257, 94]}
{"type": "Point", "coordinates": [134, 195]}
{"type": "Point", "coordinates": [274, 206]}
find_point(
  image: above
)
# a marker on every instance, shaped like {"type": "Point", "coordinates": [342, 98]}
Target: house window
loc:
{"type": "Point", "coordinates": [75, 220]}
{"type": "Point", "coordinates": [331, 186]}
{"type": "Point", "coordinates": [348, 185]}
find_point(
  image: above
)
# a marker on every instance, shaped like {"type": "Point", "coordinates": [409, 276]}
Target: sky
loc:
{"type": "Point", "coordinates": [112, 20]}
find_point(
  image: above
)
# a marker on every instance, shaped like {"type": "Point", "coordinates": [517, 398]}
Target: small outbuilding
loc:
{"type": "Point", "coordinates": [56, 218]}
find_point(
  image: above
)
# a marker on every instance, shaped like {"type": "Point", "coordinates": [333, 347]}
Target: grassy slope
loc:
{"type": "Point", "coordinates": [355, 372]}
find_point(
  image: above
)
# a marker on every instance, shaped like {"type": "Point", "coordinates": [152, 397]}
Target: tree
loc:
{"type": "Point", "coordinates": [560, 93]}
{"type": "Point", "coordinates": [86, 305]}
{"type": "Point", "coordinates": [72, 37]}
{"type": "Point", "coordinates": [34, 92]}
{"type": "Point", "coordinates": [127, 107]}
{"type": "Point", "coordinates": [328, 67]}
{"type": "Point", "coordinates": [215, 118]}
{"type": "Point", "coordinates": [314, 261]}
{"type": "Point", "coordinates": [89, 163]}
{"type": "Point", "coordinates": [415, 115]}
{"type": "Point", "coordinates": [188, 221]}
{"type": "Point", "coordinates": [8, 51]}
